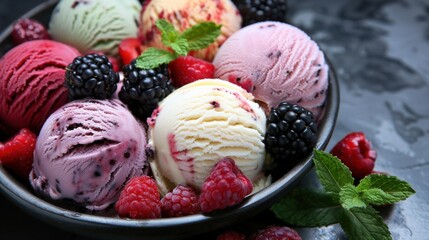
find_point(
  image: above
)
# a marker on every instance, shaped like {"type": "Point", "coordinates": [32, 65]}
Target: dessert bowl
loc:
{"type": "Point", "coordinates": [166, 228]}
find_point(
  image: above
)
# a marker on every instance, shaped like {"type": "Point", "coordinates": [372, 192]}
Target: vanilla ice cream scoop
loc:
{"type": "Point", "coordinates": [203, 122]}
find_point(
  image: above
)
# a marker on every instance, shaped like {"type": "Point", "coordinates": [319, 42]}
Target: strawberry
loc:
{"type": "Point", "coordinates": [116, 65]}
{"type": "Point", "coordinates": [130, 49]}
{"type": "Point", "coordinates": [356, 152]}
{"type": "Point", "coordinates": [187, 69]}
{"type": "Point", "coordinates": [17, 154]}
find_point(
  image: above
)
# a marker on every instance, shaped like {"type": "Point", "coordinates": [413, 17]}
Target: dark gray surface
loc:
{"type": "Point", "coordinates": [380, 49]}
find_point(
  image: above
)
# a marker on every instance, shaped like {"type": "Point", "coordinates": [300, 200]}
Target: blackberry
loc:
{"type": "Point", "coordinates": [144, 89]}
{"type": "Point", "coordinates": [91, 75]}
{"type": "Point", "coordinates": [291, 133]}
{"type": "Point", "coordinates": [254, 11]}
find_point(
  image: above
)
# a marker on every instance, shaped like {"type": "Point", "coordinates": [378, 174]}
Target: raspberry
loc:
{"type": "Point", "coordinates": [17, 153]}
{"type": "Point", "coordinates": [231, 235]}
{"type": "Point", "coordinates": [187, 69]}
{"type": "Point", "coordinates": [130, 49]}
{"type": "Point", "coordinates": [28, 29]}
{"type": "Point", "coordinates": [182, 201]}
{"type": "Point", "coordinates": [276, 233]}
{"type": "Point", "coordinates": [91, 75]}
{"type": "Point", "coordinates": [291, 132]}
{"type": "Point", "coordinates": [225, 186]}
{"type": "Point", "coordinates": [139, 199]}
{"type": "Point", "coordinates": [356, 152]}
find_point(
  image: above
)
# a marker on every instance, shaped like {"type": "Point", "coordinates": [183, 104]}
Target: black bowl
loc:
{"type": "Point", "coordinates": [167, 228]}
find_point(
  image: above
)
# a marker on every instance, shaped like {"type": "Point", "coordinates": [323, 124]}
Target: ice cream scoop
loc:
{"type": "Point", "coordinates": [86, 151]}
{"type": "Point", "coordinates": [275, 62]}
{"type": "Point", "coordinates": [32, 83]}
{"type": "Point", "coordinates": [186, 13]}
{"type": "Point", "coordinates": [201, 123]}
{"type": "Point", "coordinates": [96, 25]}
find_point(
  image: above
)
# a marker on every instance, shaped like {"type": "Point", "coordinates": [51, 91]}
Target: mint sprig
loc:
{"type": "Point", "coordinates": [169, 35]}
{"type": "Point", "coordinates": [364, 223]}
{"type": "Point", "coordinates": [301, 209]}
{"type": "Point", "coordinates": [378, 189]}
{"type": "Point", "coordinates": [333, 175]}
{"type": "Point", "coordinates": [350, 197]}
{"type": "Point", "coordinates": [157, 56]}
{"type": "Point", "coordinates": [197, 37]}
{"type": "Point", "coordinates": [201, 35]}
{"type": "Point", "coordinates": [342, 202]}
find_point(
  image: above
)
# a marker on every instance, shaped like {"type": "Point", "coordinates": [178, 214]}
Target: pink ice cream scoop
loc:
{"type": "Point", "coordinates": [275, 62]}
{"type": "Point", "coordinates": [86, 151]}
{"type": "Point", "coordinates": [32, 83]}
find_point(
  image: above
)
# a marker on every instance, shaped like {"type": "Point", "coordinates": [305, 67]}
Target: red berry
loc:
{"type": "Point", "coordinates": [225, 186]}
{"type": "Point", "coordinates": [28, 29]}
{"type": "Point", "coordinates": [129, 49]}
{"type": "Point", "coordinates": [182, 201]}
{"type": "Point", "coordinates": [246, 84]}
{"type": "Point", "coordinates": [139, 199]}
{"type": "Point", "coordinates": [276, 233]}
{"type": "Point", "coordinates": [356, 152]}
{"type": "Point", "coordinates": [17, 153]}
{"type": "Point", "coordinates": [116, 65]}
{"type": "Point", "coordinates": [187, 69]}
{"type": "Point", "coordinates": [231, 235]}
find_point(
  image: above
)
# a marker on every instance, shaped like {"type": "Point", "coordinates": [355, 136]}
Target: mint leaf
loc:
{"type": "Point", "coordinates": [364, 224]}
{"type": "Point", "coordinates": [349, 197]}
{"type": "Point", "coordinates": [169, 35]}
{"type": "Point", "coordinates": [197, 37]}
{"type": "Point", "coordinates": [201, 35]}
{"type": "Point", "coordinates": [307, 208]}
{"type": "Point", "coordinates": [332, 173]}
{"type": "Point", "coordinates": [153, 57]}
{"type": "Point", "coordinates": [379, 189]}
{"type": "Point", "coordinates": [180, 46]}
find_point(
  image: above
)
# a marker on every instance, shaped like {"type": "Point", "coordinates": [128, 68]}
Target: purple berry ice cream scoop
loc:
{"type": "Point", "coordinates": [86, 152]}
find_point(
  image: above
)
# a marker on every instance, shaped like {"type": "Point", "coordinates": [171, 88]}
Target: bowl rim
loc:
{"type": "Point", "coordinates": [24, 198]}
